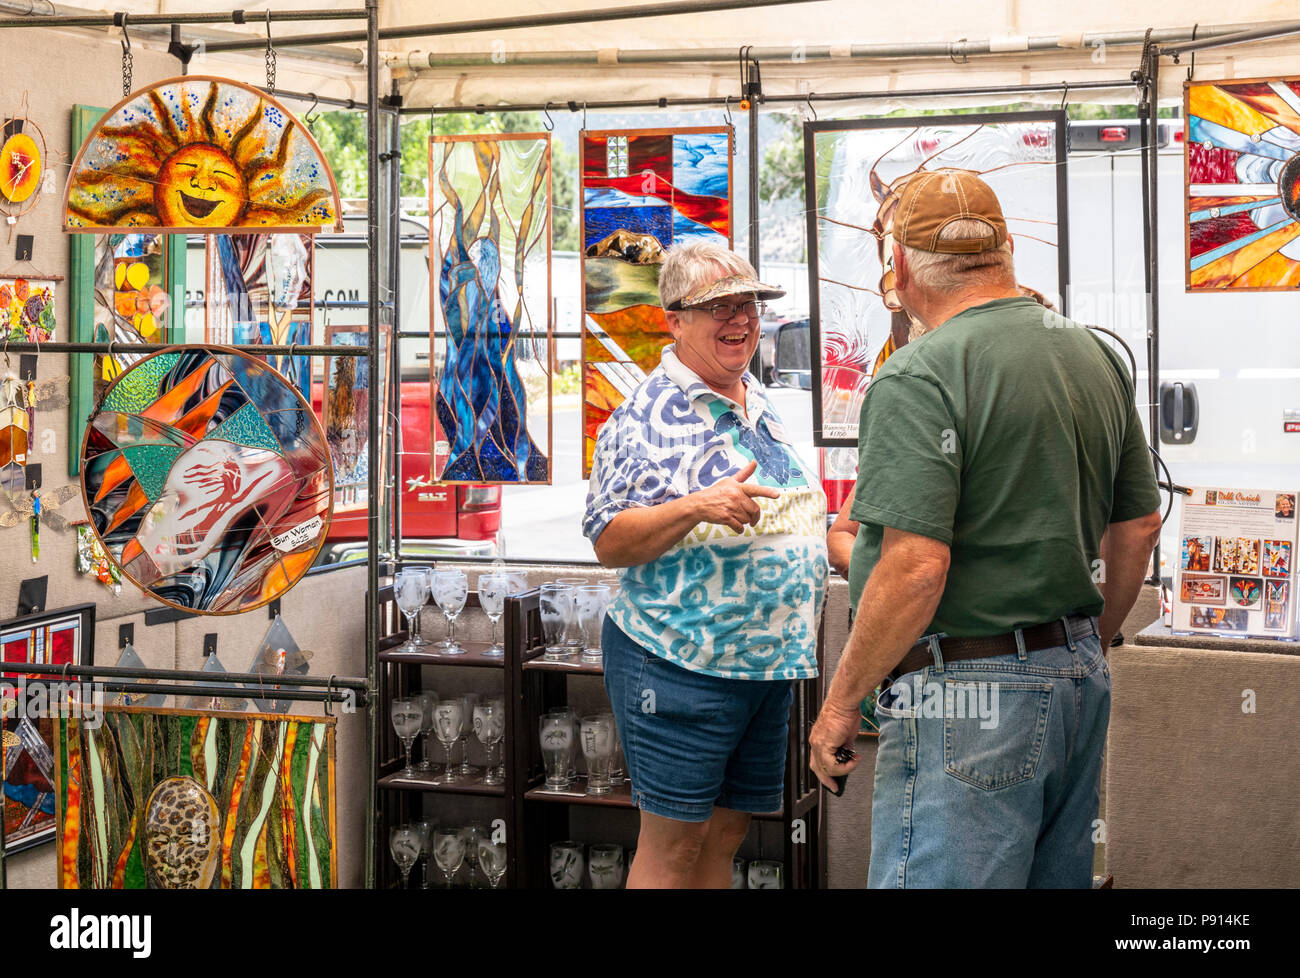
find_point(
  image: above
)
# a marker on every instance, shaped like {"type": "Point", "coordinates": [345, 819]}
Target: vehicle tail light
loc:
{"type": "Point", "coordinates": [481, 497]}
{"type": "Point", "coordinates": [1178, 135]}
{"type": "Point", "coordinates": [1114, 134]}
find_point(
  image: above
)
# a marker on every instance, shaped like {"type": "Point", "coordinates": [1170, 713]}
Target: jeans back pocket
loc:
{"type": "Point", "coordinates": [993, 732]}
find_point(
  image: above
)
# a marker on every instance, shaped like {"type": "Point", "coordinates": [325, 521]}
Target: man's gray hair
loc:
{"type": "Point", "coordinates": [936, 272]}
{"type": "Point", "coordinates": [693, 264]}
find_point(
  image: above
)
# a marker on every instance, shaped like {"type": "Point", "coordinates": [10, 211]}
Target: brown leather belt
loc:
{"type": "Point", "coordinates": [956, 649]}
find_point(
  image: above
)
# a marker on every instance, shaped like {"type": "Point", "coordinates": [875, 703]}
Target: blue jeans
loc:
{"type": "Point", "coordinates": [987, 771]}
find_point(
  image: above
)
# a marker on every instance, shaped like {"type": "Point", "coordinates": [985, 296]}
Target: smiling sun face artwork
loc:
{"type": "Point", "coordinates": [201, 155]}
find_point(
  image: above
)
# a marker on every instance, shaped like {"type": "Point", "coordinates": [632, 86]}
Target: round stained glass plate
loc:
{"type": "Point", "coordinates": [207, 479]}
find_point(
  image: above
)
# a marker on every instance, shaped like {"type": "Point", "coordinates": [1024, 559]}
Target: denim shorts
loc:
{"type": "Point", "coordinates": [693, 741]}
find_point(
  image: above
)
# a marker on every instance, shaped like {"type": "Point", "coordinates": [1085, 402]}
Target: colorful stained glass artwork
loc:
{"type": "Point", "coordinates": [1242, 150]}
{"type": "Point", "coordinates": [207, 479]}
{"type": "Point", "coordinates": [345, 414]}
{"type": "Point", "coordinates": [51, 638]}
{"type": "Point", "coordinates": [22, 165]}
{"type": "Point", "coordinates": [179, 799]}
{"type": "Point", "coordinates": [199, 155]}
{"type": "Point", "coordinates": [15, 433]}
{"type": "Point", "coordinates": [642, 191]}
{"type": "Point", "coordinates": [27, 309]}
{"type": "Point", "coordinates": [259, 292]}
{"type": "Point", "coordinates": [857, 170]}
{"type": "Point", "coordinates": [490, 244]}
{"type": "Point", "coordinates": [131, 301]}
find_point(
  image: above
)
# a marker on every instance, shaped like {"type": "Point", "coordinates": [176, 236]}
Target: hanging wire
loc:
{"type": "Point", "coordinates": [270, 56]}
{"type": "Point", "coordinates": [128, 59]}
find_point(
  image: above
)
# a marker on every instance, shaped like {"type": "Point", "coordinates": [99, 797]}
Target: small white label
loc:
{"type": "Point", "coordinates": [299, 536]}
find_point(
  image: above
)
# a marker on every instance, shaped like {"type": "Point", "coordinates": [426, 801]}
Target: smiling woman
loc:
{"type": "Point", "coordinates": [200, 154]}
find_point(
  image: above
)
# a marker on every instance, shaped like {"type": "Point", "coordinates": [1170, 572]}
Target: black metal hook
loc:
{"type": "Point", "coordinates": [584, 115]}
{"type": "Point", "coordinates": [1191, 68]}
{"type": "Point", "coordinates": [1064, 94]}
{"type": "Point", "coordinates": [548, 123]}
{"type": "Point", "coordinates": [726, 109]}
{"type": "Point", "coordinates": [329, 696]}
{"type": "Point", "coordinates": [120, 20]}
{"type": "Point", "coordinates": [809, 99]}
{"type": "Point", "coordinates": [307, 116]}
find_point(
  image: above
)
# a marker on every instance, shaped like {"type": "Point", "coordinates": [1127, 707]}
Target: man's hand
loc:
{"type": "Point", "coordinates": [730, 502]}
{"type": "Point", "coordinates": [835, 727]}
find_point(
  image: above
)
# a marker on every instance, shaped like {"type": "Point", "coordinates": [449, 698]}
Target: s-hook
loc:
{"type": "Point", "coordinates": [808, 98]}
{"type": "Point", "coordinates": [1065, 94]}
{"type": "Point", "coordinates": [128, 59]}
{"type": "Point", "coordinates": [270, 55]}
{"type": "Point", "coordinates": [329, 695]}
{"type": "Point", "coordinates": [548, 123]}
{"type": "Point", "coordinates": [726, 110]}
{"type": "Point", "coordinates": [307, 116]}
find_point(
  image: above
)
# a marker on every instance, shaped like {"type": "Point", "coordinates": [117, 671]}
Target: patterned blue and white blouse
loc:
{"type": "Point", "coordinates": [736, 605]}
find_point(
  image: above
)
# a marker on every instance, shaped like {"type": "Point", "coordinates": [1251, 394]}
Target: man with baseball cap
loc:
{"type": "Point", "coordinates": [1007, 508]}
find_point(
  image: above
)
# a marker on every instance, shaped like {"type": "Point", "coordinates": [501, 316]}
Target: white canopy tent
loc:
{"type": "Point", "coordinates": [819, 47]}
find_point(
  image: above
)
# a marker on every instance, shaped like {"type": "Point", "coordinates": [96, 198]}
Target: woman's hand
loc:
{"type": "Point", "coordinates": [730, 501]}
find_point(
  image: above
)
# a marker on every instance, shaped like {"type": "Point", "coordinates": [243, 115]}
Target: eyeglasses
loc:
{"type": "Point", "coordinates": [722, 311]}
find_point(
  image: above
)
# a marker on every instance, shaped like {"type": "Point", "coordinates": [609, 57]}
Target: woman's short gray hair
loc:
{"type": "Point", "coordinates": [689, 266]}
{"type": "Point", "coordinates": [936, 272]}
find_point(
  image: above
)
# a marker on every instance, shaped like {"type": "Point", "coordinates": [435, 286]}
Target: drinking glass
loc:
{"type": "Point", "coordinates": [489, 727]}
{"type": "Point", "coordinates": [572, 714]}
{"type": "Point", "coordinates": [556, 604]}
{"type": "Point", "coordinates": [492, 589]}
{"type": "Point", "coordinates": [592, 601]}
{"type": "Point", "coordinates": [428, 700]}
{"type": "Point", "coordinates": [597, 738]}
{"type": "Point", "coordinates": [492, 860]}
{"type": "Point", "coordinates": [411, 591]}
{"type": "Point", "coordinates": [617, 763]}
{"type": "Point", "coordinates": [406, 722]}
{"type": "Point", "coordinates": [467, 703]}
{"type": "Point", "coordinates": [557, 750]}
{"type": "Point", "coordinates": [426, 571]}
{"type": "Point", "coordinates": [404, 844]}
{"type": "Point", "coordinates": [737, 873]}
{"type": "Point", "coordinates": [426, 826]}
{"type": "Point", "coordinates": [566, 865]}
{"type": "Point", "coordinates": [448, 851]}
{"type": "Point", "coordinates": [605, 866]}
{"type": "Point", "coordinates": [572, 632]}
{"type": "Point", "coordinates": [450, 589]}
{"type": "Point", "coordinates": [470, 834]}
{"type": "Point", "coordinates": [765, 874]}
{"type": "Point", "coordinates": [446, 725]}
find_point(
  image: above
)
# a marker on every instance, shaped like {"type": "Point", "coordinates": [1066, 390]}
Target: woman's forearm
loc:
{"type": "Point", "coordinates": [640, 535]}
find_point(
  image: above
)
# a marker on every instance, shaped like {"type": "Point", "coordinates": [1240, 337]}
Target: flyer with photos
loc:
{"type": "Point", "coordinates": [1236, 563]}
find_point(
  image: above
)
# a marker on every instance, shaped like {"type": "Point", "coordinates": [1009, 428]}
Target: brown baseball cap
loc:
{"type": "Point", "coordinates": [933, 199]}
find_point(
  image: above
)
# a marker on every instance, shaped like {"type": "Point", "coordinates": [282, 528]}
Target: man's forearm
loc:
{"type": "Point", "coordinates": [1125, 554]}
{"type": "Point", "coordinates": [640, 535]}
{"type": "Point", "coordinates": [898, 602]}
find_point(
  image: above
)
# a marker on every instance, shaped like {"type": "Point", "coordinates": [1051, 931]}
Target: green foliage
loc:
{"type": "Point", "coordinates": [568, 380]}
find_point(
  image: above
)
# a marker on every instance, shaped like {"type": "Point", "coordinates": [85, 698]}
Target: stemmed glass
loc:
{"type": "Point", "coordinates": [446, 723]}
{"type": "Point", "coordinates": [737, 873]}
{"type": "Point", "coordinates": [605, 866]}
{"type": "Point", "coordinates": [425, 825]}
{"type": "Point", "coordinates": [597, 735]}
{"type": "Point", "coordinates": [765, 874]}
{"type": "Point", "coordinates": [404, 844]}
{"type": "Point", "coordinates": [557, 749]}
{"type": "Point", "coordinates": [489, 727]}
{"type": "Point", "coordinates": [492, 590]}
{"type": "Point", "coordinates": [470, 834]}
{"type": "Point", "coordinates": [593, 599]}
{"type": "Point", "coordinates": [448, 851]}
{"type": "Point", "coordinates": [428, 700]}
{"type": "Point", "coordinates": [467, 703]}
{"type": "Point", "coordinates": [406, 717]}
{"type": "Point", "coordinates": [492, 860]}
{"type": "Point", "coordinates": [572, 633]}
{"type": "Point", "coordinates": [411, 591]}
{"type": "Point", "coordinates": [566, 865]}
{"type": "Point", "coordinates": [427, 572]}
{"type": "Point", "coordinates": [450, 589]}
{"type": "Point", "coordinates": [556, 605]}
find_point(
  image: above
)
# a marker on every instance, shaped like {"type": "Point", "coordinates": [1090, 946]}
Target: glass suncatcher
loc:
{"type": "Point", "coordinates": [207, 479]}
{"type": "Point", "coordinates": [198, 155]}
{"type": "Point", "coordinates": [490, 254]}
{"type": "Point", "coordinates": [345, 414]}
{"type": "Point", "coordinates": [1242, 151]}
{"type": "Point", "coordinates": [854, 171]}
{"type": "Point", "coordinates": [642, 191]}
{"type": "Point", "coordinates": [178, 799]}
{"type": "Point", "coordinates": [27, 308]}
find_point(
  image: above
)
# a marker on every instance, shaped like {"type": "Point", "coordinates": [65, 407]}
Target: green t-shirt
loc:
{"type": "Point", "coordinates": [1009, 433]}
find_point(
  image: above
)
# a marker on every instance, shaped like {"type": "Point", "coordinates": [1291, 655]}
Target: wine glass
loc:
{"type": "Point", "coordinates": [406, 718]}
{"type": "Point", "coordinates": [404, 844]}
{"type": "Point", "coordinates": [446, 724]}
{"type": "Point", "coordinates": [448, 851]}
{"type": "Point", "coordinates": [492, 860]}
{"type": "Point", "coordinates": [605, 866]}
{"type": "Point", "coordinates": [492, 590]}
{"type": "Point", "coordinates": [428, 700]}
{"type": "Point", "coordinates": [592, 600]}
{"type": "Point", "coordinates": [597, 738]}
{"type": "Point", "coordinates": [737, 873]}
{"type": "Point", "coordinates": [557, 749]}
{"type": "Point", "coordinates": [572, 633]}
{"type": "Point", "coordinates": [471, 834]}
{"type": "Point", "coordinates": [765, 874]}
{"type": "Point", "coordinates": [411, 593]}
{"type": "Point", "coordinates": [424, 571]}
{"type": "Point", "coordinates": [425, 825]}
{"type": "Point", "coordinates": [450, 589]}
{"type": "Point", "coordinates": [489, 726]}
{"type": "Point", "coordinates": [566, 865]}
{"type": "Point", "coordinates": [467, 703]}
{"type": "Point", "coordinates": [556, 605]}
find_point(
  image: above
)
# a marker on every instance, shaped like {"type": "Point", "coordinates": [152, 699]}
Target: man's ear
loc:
{"type": "Point", "coordinates": [674, 321]}
{"type": "Point", "coordinates": [1011, 243]}
{"type": "Point", "coordinates": [902, 274]}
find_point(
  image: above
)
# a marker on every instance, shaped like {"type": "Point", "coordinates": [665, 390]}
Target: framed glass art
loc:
{"type": "Point", "coordinates": [490, 257]}
{"type": "Point", "coordinates": [182, 799]}
{"type": "Point", "coordinates": [345, 415]}
{"type": "Point", "coordinates": [259, 292]}
{"type": "Point", "coordinates": [854, 171]}
{"type": "Point", "coordinates": [207, 479]}
{"type": "Point", "coordinates": [1241, 148]}
{"type": "Point", "coordinates": [200, 155]}
{"type": "Point", "coordinates": [642, 191]}
{"type": "Point", "coordinates": [51, 638]}
{"type": "Point", "coordinates": [27, 308]}
{"type": "Point", "coordinates": [23, 163]}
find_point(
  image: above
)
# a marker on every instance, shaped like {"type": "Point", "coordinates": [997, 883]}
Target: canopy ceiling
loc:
{"type": "Point", "coordinates": [1072, 31]}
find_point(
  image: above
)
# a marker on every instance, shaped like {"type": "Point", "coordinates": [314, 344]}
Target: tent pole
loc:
{"type": "Point", "coordinates": [372, 398]}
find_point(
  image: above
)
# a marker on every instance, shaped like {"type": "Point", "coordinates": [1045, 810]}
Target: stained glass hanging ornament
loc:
{"type": "Point", "coordinates": [201, 155]}
{"type": "Point", "coordinates": [22, 165]}
{"type": "Point", "coordinates": [27, 308]}
{"type": "Point", "coordinates": [207, 479]}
